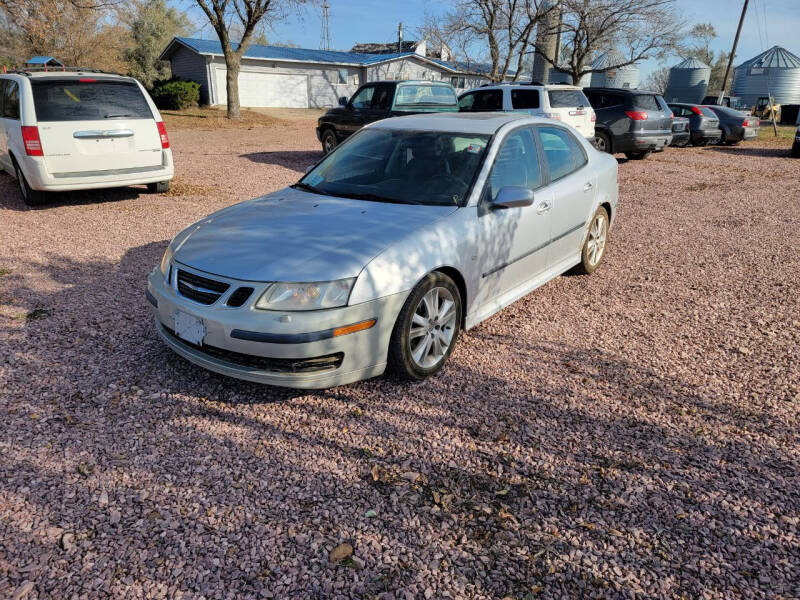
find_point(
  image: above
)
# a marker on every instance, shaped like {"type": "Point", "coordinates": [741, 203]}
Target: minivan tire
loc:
{"type": "Point", "coordinates": [159, 187]}
{"type": "Point", "coordinates": [637, 155]}
{"type": "Point", "coordinates": [401, 362]}
{"type": "Point", "coordinates": [30, 196]}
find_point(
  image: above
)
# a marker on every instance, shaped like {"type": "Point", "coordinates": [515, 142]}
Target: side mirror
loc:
{"type": "Point", "coordinates": [343, 101]}
{"type": "Point", "coordinates": [513, 196]}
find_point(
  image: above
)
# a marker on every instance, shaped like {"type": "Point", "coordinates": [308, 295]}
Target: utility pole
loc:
{"type": "Point", "coordinates": [400, 37]}
{"type": "Point", "coordinates": [733, 52]}
{"type": "Point", "coordinates": [325, 39]}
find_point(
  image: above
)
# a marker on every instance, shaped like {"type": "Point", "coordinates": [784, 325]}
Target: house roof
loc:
{"type": "Point", "coordinates": [42, 60]}
{"type": "Point", "coordinates": [334, 57]}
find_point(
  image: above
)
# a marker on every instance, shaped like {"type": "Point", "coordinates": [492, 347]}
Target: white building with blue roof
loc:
{"type": "Point", "coordinates": [277, 76]}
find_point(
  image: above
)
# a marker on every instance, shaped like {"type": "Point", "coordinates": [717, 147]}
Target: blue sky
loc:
{"type": "Point", "coordinates": [353, 21]}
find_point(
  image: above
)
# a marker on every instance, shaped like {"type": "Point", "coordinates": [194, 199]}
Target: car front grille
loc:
{"type": "Point", "coordinates": [316, 364]}
{"type": "Point", "coordinates": [200, 289]}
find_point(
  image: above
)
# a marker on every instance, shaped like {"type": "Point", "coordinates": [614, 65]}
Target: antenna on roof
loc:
{"type": "Point", "coordinates": [325, 40]}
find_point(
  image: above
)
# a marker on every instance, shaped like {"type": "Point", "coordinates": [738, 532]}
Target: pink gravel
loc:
{"type": "Point", "coordinates": [633, 434]}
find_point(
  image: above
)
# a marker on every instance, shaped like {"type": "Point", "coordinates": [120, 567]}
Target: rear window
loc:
{"type": "Point", "coordinates": [525, 98]}
{"type": "Point", "coordinates": [567, 98]}
{"type": "Point", "coordinates": [90, 100]}
{"type": "Point", "coordinates": [425, 94]}
{"type": "Point", "coordinates": [645, 102]}
{"type": "Point", "coordinates": [708, 112]}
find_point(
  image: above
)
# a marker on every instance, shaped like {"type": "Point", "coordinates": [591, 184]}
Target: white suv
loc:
{"type": "Point", "coordinates": [74, 130]}
{"type": "Point", "coordinates": [561, 102]}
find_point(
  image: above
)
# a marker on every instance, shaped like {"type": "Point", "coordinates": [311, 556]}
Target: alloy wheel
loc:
{"type": "Point", "coordinates": [432, 327]}
{"type": "Point", "coordinates": [597, 239]}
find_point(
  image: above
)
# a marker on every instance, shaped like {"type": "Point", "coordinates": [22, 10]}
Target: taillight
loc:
{"type": "Point", "coordinates": [696, 110]}
{"type": "Point", "coordinates": [671, 115]}
{"type": "Point", "coordinates": [30, 137]}
{"type": "Point", "coordinates": [162, 133]}
{"type": "Point", "coordinates": [594, 117]}
{"type": "Point", "coordinates": [637, 115]}
{"type": "Point", "coordinates": [554, 116]}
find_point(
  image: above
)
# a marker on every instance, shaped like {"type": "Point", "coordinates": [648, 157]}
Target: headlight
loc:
{"type": "Point", "coordinates": [166, 259]}
{"type": "Point", "coordinates": [306, 296]}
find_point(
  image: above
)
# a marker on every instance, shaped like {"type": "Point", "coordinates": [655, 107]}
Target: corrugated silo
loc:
{"type": "Point", "coordinates": [610, 76]}
{"type": "Point", "coordinates": [775, 71]}
{"type": "Point", "coordinates": [688, 81]}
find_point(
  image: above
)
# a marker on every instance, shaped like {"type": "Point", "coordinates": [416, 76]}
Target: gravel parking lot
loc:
{"type": "Point", "coordinates": [632, 434]}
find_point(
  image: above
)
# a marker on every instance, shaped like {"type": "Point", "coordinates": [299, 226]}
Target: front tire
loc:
{"type": "Point", "coordinates": [30, 196]}
{"type": "Point", "coordinates": [160, 187]}
{"type": "Point", "coordinates": [594, 246]}
{"type": "Point", "coordinates": [426, 329]}
{"type": "Point", "coordinates": [329, 141]}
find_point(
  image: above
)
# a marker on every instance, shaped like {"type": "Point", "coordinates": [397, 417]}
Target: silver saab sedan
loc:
{"type": "Point", "coordinates": [413, 229]}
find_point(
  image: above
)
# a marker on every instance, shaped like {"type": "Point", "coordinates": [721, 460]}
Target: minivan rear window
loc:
{"type": "Point", "coordinates": [645, 102]}
{"type": "Point", "coordinates": [567, 98]}
{"type": "Point", "coordinates": [89, 100]}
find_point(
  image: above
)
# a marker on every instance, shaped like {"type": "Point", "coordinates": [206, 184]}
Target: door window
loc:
{"type": "Point", "coordinates": [382, 98]}
{"type": "Point", "coordinates": [363, 98]}
{"type": "Point", "coordinates": [485, 101]}
{"type": "Point", "coordinates": [516, 164]}
{"type": "Point", "coordinates": [524, 99]}
{"type": "Point", "coordinates": [3, 87]}
{"type": "Point", "coordinates": [11, 101]}
{"type": "Point", "coordinates": [562, 151]}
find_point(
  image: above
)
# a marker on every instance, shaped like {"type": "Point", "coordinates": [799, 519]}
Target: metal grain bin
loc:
{"type": "Point", "coordinates": [775, 71]}
{"type": "Point", "coordinates": [609, 76]}
{"type": "Point", "coordinates": [688, 81]}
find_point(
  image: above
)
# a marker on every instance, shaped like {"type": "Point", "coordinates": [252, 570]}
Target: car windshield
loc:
{"type": "Point", "coordinates": [88, 99]}
{"type": "Point", "coordinates": [409, 95]}
{"type": "Point", "coordinates": [399, 166]}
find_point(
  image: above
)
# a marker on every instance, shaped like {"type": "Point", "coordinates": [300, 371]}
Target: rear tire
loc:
{"type": "Point", "coordinates": [30, 196]}
{"type": "Point", "coordinates": [329, 141]}
{"type": "Point", "coordinates": [160, 187]}
{"type": "Point", "coordinates": [637, 155]}
{"type": "Point", "coordinates": [795, 150]}
{"type": "Point", "coordinates": [594, 246]}
{"type": "Point", "coordinates": [602, 142]}
{"type": "Point", "coordinates": [426, 329]}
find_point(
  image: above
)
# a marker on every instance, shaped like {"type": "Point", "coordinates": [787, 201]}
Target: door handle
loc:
{"type": "Point", "coordinates": [587, 186]}
{"type": "Point", "coordinates": [543, 208]}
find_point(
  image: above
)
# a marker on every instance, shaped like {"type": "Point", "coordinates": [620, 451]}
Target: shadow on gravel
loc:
{"type": "Point", "coordinates": [297, 160]}
{"type": "Point", "coordinates": [753, 151]}
{"type": "Point", "coordinates": [10, 198]}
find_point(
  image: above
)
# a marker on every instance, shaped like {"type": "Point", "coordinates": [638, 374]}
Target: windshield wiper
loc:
{"type": "Point", "coordinates": [116, 116]}
{"type": "Point", "coordinates": [376, 198]}
{"type": "Point", "coordinates": [309, 188]}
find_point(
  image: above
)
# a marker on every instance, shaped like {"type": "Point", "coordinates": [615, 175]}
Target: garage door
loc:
{"type": "Point", "coordinates": [266, 89]}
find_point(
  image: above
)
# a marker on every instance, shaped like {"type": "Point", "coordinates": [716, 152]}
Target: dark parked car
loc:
{"type": "Point", "coordinates": [680, 132]}
{"type": "Point", "coordinates": [729, 101]}
{"type": "Point", "coordinates": [703, 123]}
{"type": "Point", "coordinates": [635, 122]}
{"type": "Point", "coordinates": [735, 125]}
{"type": "Point", "coordinates": [382, 99]}
{"type": "Point", "coordinates": [796, 145]}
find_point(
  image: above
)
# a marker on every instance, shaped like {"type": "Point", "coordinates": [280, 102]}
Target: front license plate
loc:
{"type": "Point", "coordinates": [189, 328]}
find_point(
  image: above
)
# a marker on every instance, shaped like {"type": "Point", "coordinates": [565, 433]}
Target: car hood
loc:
{"type": "Point", "coordinates": [293, 235]}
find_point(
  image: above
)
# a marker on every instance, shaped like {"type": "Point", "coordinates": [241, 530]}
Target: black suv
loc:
{"type": "Point", "coordinates": [379, 100]}
{"type": "Point", "coordinates": [631, 121]}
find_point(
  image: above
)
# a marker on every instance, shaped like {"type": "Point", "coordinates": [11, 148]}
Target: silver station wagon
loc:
{"type": "Point", "coordinates": [413, 229]}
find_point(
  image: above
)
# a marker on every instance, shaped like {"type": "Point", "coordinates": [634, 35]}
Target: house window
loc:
{"type": "Point", "coordinates": [343, 76]}
{"type": "Point", "coordinates": [458, 82]}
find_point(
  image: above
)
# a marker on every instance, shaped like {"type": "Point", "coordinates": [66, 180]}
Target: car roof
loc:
{"type": "Point", "coordinates": [621, 90]}
{"type": "Point", "coordinates": [484, 123]}
{"type": "Point", "coordinates": [71, 74]}
{"type": "Point", "coordinates": [527, 86]}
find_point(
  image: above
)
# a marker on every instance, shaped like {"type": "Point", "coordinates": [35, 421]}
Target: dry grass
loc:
{"type": "Point", "coordinates": [214, 118]}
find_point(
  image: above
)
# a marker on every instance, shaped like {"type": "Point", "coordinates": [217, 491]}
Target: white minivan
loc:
{"type": "Point", "coordinates": [564, 103]}
{"type": "Point", "coordinates": [75, 130]}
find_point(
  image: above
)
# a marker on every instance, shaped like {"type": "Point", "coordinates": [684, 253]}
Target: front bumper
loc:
{"type": "Point", "coordinates": [364, 353]}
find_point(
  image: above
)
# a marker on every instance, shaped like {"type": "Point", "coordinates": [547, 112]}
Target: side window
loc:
{"type": "Point", "coordinates": [562, 151]}
{"type": "Point", "coordinates": [489, 100]}
{"type": "Point", "coordinates": [11, 100]}
{"type": "Point", "coordinates": [615, 100]}
{"type": "Point", "coordinates": [516, 163]}
{"type": "Point", "coordinates": [3, 88]}
{"type": "Point", "coordinates": [466, 102]}
{"type": "Point", "coordinates": [522, 99]}
{"type": "Point", "coordinates": [382, 98]}
{"type": "Point", "coordinates": [363, 98]}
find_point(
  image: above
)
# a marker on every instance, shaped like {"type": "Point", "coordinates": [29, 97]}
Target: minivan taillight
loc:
{"type": "Point", "coordinates": [30, 137]}
{"type": "Point", "coordinates": [162, 133]}
{"type": "Point", "coordinates": [637, 115]}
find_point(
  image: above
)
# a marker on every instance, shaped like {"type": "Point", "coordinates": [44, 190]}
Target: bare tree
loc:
{"type": "Point", "coordinates": [501, 30]}
{"type": "Point", "coordinates": [657, 81]}
{"type": "Point", "coordinates": [228, 17]}
{"type": "Point", "coordinates": [638, 29]}
{"type": "Point", "coordinates": [698, 45]}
